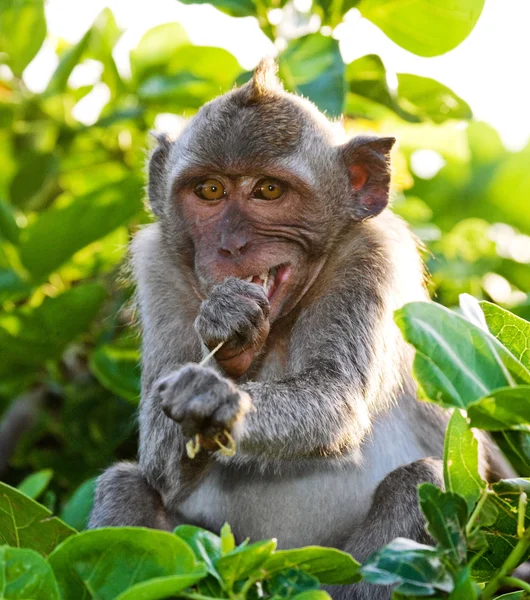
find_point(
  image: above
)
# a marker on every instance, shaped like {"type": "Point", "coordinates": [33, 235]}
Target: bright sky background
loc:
{"type": "Point", "coordinates": [490, 70]}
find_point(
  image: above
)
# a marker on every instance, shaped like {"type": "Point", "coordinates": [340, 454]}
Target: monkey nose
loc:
{"type": "Point", "coordinates": [232, 248]}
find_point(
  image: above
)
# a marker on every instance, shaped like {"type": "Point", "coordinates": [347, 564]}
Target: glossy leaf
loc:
{"type": "Point", "coordinates": [416, 98]}
{"type": "Point", "coordinates": [205, 545]}
{"type": "Point", "coordinates": [312, 66]}
{"type": "Point", "coordinates": [510, 330]}
{"type": "Point", "coordinates": [76, 511]}
{"type": "Point", "coordinates": [506, 408]}
{"type": "Point", "coordinates": [328, 565]}
{"type": "Point", "coordinates": [446, 514]}
{"type": "Point", "coordinates": [25, 574]}
{"type": "Point", "coordinates": [428, 99]}
{"type": "Point", "coordinates": [415, 568]}
{"type": "Point", "coordinates": [243, 561]}
{"type": "Point", "coordinates": [22, 31]}
{"type": "Point", "coordinates": [26, 524]}
{"type": "Point", "coordinates": [85, 219]}
{"type": "Point", "coordinates": [291, 582]}
{"type": "Point", "coordinates": [35, 484]}
{"type": "Point", "coordinates": [159, 588]}
{"type": "Point", "coordinates": [425, 27]}
{"type": "Point", "coordinates": [104, 563]}
{"type": "Point", "coordinates": [118, 370]}
{"type": "Point", "coordinates": [456, 362]}
{"type": "Point", "coordinates": [461, 461]}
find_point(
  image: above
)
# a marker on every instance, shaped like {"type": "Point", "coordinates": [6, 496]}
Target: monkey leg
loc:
{"type": "Point", "coordinates": [124, 497]}
{"type": "Point", "coordinates": [394, 512]}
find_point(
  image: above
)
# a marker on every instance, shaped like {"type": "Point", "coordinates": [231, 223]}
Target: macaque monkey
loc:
{"type": "Point", "coordinates": [274, 239]}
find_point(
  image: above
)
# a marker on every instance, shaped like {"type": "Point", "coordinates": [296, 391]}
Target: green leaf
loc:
{"type": "Point", "coordinates": [428, 99]}
{"type": "Point", "coordinates": [313, 595]}
{"type": "Point", "coordinates": [291, 582]}
{"type": "Point", "coordinates": [155, 49]}
{"type": "Point", "coordinates": [506, 408]}
{"type": "Point", "coordinates": [461, 461]}
{"type": "Point", "coordinates": [25, 574]}
{"type": "Point", "coordinates": [234, 8]}
{"type": "Point", "coordinates": [84, 220]}
{"type": "Point", "coordinates": [366, 77]}
{"type": "Point", "coordinates": [501, 535]}
{"type": "Point", "coordinates": [425, 27]}
{"type": "Point", "coordinates": [244, 561]}
{"type": "Point", "coordinates": [228, 541]}
{"type": "Point", "coordinates": [313, 67]}
{"type": "Point", "coordinates": [417, 569]}
{"type": "Point", "coordinates": [465, 588]}
{"type": "Point", "coordinates": [9, 229]}
{"type": "Point", "coordinates": [35, 484]}
{"type": "Point", "coordinates": [35, 170]}
{"type": "Point", "coordinates": [456, 362]}
{"type": "Point", "coordinates": [76, 511]}
{"type": "Point", "coordinates": [25, 523]}
{"type": "Point", "coordinates": [446, 515]}
{"type": "Point", "coordinates": [512, 331]}
{"type": "Point", "coordinates": [69, 59]}
{"type": "Point", "coordinates": [183, 90]}
{"type": "Point", "coordinates": [512, 596]}
{"type": "Point", "coordinates": [118, 370]}
{"type": "Point", "coordinates": [328, 565]}
{"type": "Point", "coordinates": [205, 545]}
{"type": "Point", "coordinates": [204, 62]}
{"type": "Point", "coordinates": [30, 338]}
{"type": "Point", "coordinates": [105, 34]}
{"type": "Point", "coordinates": [159, 588]}
{"type": "Point", "coordinates": [417, 98]}
{"type": "Point", "coordinates": [104, 563]}
{"type": "Point", "coordinates": [22, 31]}
{"type": "Point", "coordinates": [12, 285]}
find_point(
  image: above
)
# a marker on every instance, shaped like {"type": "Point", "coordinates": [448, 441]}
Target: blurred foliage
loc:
{"type": "Point", "coordinates": [71, 194]}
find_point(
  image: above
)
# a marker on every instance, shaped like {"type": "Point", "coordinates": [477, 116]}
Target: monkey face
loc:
{"type": "Point", "coordinates": [258, 227]}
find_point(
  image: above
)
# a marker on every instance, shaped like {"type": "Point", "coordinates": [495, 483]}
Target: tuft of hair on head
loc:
{"type": "Point", "coordinates": [264, 84]}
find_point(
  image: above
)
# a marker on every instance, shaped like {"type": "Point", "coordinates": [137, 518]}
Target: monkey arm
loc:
{"type": "Point", "coordinates": [341, 375]}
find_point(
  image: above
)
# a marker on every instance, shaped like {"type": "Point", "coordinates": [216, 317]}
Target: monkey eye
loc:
{"type": "Point", "coordinates": [210, 189]}
{"type": "Point", "coordinates": [268, 189]}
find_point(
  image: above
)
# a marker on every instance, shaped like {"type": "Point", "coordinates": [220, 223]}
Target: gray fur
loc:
{"type": "Point", "coordinates": [331, 442]}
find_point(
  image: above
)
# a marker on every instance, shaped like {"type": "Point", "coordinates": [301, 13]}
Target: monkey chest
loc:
{"type": "Point", "coordinates": [320, 505]}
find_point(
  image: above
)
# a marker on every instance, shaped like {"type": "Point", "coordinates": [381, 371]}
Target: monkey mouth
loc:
{"type": "Point", "coordinates": [272, 279]}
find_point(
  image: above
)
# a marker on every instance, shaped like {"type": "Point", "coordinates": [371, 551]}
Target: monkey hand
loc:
{"type": "Point", "coordinates": [203, 402]}
{"type": "Point", "coordinates": [236, 313]}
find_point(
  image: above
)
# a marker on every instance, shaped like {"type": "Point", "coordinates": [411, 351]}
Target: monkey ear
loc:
{"type": "Point", "coordinates": [368, 162]}
{"type": "Point", "coordinates": [157, 185]}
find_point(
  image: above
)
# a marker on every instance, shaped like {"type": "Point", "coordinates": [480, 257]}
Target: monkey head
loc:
{"type": "Point", "coordinates": [260, 185]}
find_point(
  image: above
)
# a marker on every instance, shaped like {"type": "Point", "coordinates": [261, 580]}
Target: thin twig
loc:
{"type": "Point", "coordinates": [208, 356]}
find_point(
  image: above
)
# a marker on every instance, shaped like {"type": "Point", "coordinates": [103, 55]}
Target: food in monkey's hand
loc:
{"type": "Point", "coordinates": [223, 442]}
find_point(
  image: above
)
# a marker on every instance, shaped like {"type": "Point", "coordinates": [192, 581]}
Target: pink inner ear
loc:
{"type": "Point", "coordinates": [358, 176]}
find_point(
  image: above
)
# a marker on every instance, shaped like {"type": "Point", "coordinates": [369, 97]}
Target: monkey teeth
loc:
{"type": "Point", "coordinates": [267, 280]}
